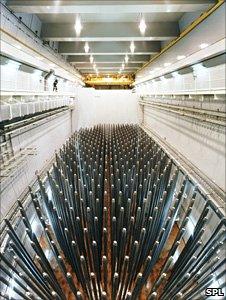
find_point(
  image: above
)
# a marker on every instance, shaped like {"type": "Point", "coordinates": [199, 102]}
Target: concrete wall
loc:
{"type": "Point", "coordinates": [106, 107]}
{"type": "Point", "coordinates": [44, 140]}
{"type": "Point", "coordinates": [203, 145]}
{"type": "Point", "coordinates": [31, 21]}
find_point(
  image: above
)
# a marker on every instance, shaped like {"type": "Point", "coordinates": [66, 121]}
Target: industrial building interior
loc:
{"type": "Point", "coordinates": [112, 150]}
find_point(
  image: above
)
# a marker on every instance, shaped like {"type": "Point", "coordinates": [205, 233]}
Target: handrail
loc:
{"type": "Point", "coordinates": [197, 114]}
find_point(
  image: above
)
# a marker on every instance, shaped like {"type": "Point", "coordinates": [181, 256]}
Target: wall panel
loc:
{"type": "Point", "coordinates": [44, 140]}
{"type": "Point", "coordinates": [106, 107]}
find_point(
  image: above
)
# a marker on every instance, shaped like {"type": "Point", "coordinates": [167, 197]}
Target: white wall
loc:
{"type": "Point", "coordinates": [32, 21]}
{"type": "Point", "coordinates": [14, 79]}
{"type": "Point", "coordinates": [106, 107]}
{"type": "Point", "coordinates": [203, 146]}
{"type": "Point", "coordinates": [44, 140]}
{"type": "Point", "coordinates": [201, 80]}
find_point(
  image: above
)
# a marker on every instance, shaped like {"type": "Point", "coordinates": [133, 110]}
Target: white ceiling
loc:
{"type": "Point", "coordinates": [111, 17]}
{"type": "Point", "coordinates": [211, 31]}
{"type": "Point", "coordinates": [110, 26]}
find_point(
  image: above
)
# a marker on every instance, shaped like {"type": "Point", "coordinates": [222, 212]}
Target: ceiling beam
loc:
{"type": "Point", "coordinates": [83, 59]}
{"type": "Point", "coordinates": [107, 65]}
{"type": "Point", "coordinates": [109, 48]}
{"type": "Point", "coordinates": [156, 31]}
{"type": "Point", "coordinates": [107, 71]}
{"type": "Point", "coordinates": [103, 6]}
{"type": "Point", "coordinates": [110, 68]}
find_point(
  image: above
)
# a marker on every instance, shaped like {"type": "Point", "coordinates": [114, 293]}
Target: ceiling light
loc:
{"type": "Point", "coordinates": [198, 67]}
{"type": "Point", "coordinates": [13, 64]}
{"type": "Point", "coordinates": [132, 47]}
{"type": "Point", "coordinates": [157, 69]}
{"type": "Point", "coordinates": [179, 57]}
{"type": "Point", "coordinates": [142, 25]}
{"type": "Point", "coordinates": [91, 59]}
{"type": "Point", "coordinates": [167, 64]}
{"type": "Point", "coordinates": [39, 58]}
{"type": "Point", "coordinates": [175, 74]}
{"type": "Point", "coordinates": [78, 25]}
{"type": "Point", "coordinates": [52, 65]}
{"type": "Point", "coordinates": [108, 79]}
{"type": "Point", "coordinates": [86, 47]}
{"type": "Point", "coordinates": [203, 45]}
{"type": "Point", "coordinates": [18, 47]}
{"type": "Point", "coordinates": [126, 59]}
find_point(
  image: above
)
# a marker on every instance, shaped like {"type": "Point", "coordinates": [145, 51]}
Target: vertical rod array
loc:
{"type": "Point", "coordinates": [108, 211]}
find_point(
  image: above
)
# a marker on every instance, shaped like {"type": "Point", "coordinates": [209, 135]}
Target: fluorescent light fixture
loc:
{"type": "Point", "coordinates": [126, 59]}
{"type": "Point", "coordinates": [18, 47]}
{"type": "Point", "coordinates": [132, 47]}
{"type": "Point", "coordinates": [86, 47]}
{"type": "Point", "coordinates": [157, 69]}
{"type": "Point", "coordinates": [203, 45]}
{"type": "Point", "coordinates": [52, 65]}
{"type": "Point", "coordinates": [142, 25]}
{"type": "Point", "coordinates": [37, 73]}
{"type": "Point", "coordinates": [179, 57]}
{"type": "Point", "coordinates": [167, 64]}
{"type": "Point", "coordinates": [91, 59]}
{"type": "Point", "coordinates": [78, 25]}
{"type": "Point", "coordinates": [198, 67]}
{"type": "Point", "coordinates": [14, 65]}
{"type": "Point", "coordinates": [175, 74]}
